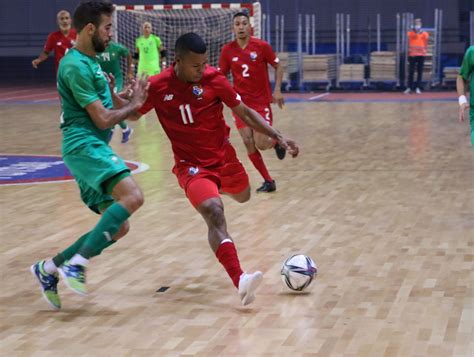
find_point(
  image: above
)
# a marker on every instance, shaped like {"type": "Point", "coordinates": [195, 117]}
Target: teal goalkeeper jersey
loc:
{"type": "Point", "coordinates": [80, 83]}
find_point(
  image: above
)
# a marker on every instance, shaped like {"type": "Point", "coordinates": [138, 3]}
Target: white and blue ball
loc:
{"type": "Point", "coordinates": [298, 271]}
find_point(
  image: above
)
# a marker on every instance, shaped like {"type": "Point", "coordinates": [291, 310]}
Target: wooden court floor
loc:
{"type": "Point", "coordinates": [382, 198]}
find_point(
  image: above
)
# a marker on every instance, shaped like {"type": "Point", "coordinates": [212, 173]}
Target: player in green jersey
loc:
{"type": "Point", "coordinates": [149, 52]}
{"type": "Point", "coordinates": [466, 74]}
{"type": "Point", "coordinates": [104, 180]}
{"type": "Point", "coordinates": [109, 61]}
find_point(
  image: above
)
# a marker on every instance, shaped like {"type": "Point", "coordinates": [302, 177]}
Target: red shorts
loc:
{"type": "Point", "coordinates": [230, 177]}
{"type": "Point", "coordinates": [265, 110]}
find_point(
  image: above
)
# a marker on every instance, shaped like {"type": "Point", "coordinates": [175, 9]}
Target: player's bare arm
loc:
{"type": "Point", "coordinates": [461, 85]}
{"type": "Point", "coordinates": [122, 98]}
{"type": "Point", "coordinates": [41, 58]}
{"type": "Point", "coordinates": [134, 116]}
{"type": "Point", "coordinates": [277, 96]}
{"type": "Point", "coordinates": [136, 56]}
{"type": "Point", "coordinates": [163, 54]}
{"type": "Point", "coordinates": [105, 118]}
{"type": "Point", "coordinates": [256, 122]}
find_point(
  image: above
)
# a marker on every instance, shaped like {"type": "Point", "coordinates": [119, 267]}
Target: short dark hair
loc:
{"type": "Point", "coordinates": [241, 13]}
{"type": "Point", "coordinates": [190, 42]}
{"type": "Point", "coordinates": [91, 12]}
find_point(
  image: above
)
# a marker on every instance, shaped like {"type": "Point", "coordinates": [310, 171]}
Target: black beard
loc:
{"type": "Point", "coordinates": [98, 44]}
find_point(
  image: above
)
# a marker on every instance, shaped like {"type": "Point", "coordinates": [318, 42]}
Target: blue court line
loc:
{"type": "Point", "coordinates": [288, 100]}
{"type": "Point", "coordinates": [296, 100]}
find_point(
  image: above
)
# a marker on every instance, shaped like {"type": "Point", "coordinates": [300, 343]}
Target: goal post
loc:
{"type": "Point", "coordinates": [211, 21]}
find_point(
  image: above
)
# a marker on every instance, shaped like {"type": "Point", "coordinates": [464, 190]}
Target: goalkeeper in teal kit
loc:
{"type": "Point", "coordinates": [88, 114]}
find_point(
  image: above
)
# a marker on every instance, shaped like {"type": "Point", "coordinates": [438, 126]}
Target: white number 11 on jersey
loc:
{"type": "Point", "coordinates": [185, 110]}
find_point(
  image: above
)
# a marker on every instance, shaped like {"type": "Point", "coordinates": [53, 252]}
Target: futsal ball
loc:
{"type": "Point", "coordinates": [298, 272]}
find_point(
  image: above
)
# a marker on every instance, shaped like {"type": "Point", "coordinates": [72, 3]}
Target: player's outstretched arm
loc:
{"type": "Point", "coordinates": [461, 85]}
{"type": "Point", "coordinates": [122, 98]}
{"type": "Point", "coordinates": [41, 58]}
{"type": "Point", "coordinates": [277, 96]}
{"type": "Point", "coordinates": [163, 54]}
{"type": "Point", "coordinates": [105, 118]}
{"type": "Point", "coordinates": [255, 121]}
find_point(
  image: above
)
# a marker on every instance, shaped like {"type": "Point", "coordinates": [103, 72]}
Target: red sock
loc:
{"type": "Point", "coordinates": [257, 161]}
{"type": "Point", "coordinates": [227, 255]}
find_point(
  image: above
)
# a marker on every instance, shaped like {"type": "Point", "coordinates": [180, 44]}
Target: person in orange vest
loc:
{"type": "Point", "coordinates": [417, 50]}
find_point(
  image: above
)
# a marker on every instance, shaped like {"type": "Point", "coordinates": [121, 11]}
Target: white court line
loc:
{"type": "Point", "coordinates": [44, 100]}
{"type": "Point", "coordinates": [319, 96]}
{"type": "Point", "coordinates": [16, 97]}
{"type": "Point", "coordinates": [25, 90]}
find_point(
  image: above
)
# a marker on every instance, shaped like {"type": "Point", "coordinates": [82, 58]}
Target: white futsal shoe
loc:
{"type": "Point", "coordinates": [248, 284]}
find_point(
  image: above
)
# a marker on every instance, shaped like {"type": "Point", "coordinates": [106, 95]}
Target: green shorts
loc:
{"type": "Point", "coordinates": [95, 165]}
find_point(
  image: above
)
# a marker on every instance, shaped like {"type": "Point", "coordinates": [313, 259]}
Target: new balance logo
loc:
{"type": "Point", "coordinates": [168, 97]}
{"type": "Point", "coordinates": [235, 59]}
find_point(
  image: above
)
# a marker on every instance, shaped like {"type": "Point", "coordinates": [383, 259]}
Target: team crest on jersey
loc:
{"type": "Point", "coordinates": [197, 90]}
{"type": "Point", "coordinates": [193, 170]}
{"type": "Point", "coordinates": [253, 55]}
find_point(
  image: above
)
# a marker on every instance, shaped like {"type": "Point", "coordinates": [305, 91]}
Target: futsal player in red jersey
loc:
{"type": "Point", "coordinates": [247, 58]}
{"type": "Point", "coordinates": [188, 98]}
{"type": "Point", "coordinates": [59, 41]}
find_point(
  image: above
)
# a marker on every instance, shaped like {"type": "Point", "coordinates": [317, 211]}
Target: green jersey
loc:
{"type": "Point", "coordinates": [80, 83]}
{"type": "Point", "coordinates": [109, 60]}
{"type": "Point", "coordinates": [149, 54]}
{"type": "Point", "coordinates": [466, 72]}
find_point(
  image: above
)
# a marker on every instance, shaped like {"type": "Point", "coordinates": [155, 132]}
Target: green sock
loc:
{"type": "Point", "coordinates": [70, 251]}
{"type": "Point", "coordinates": [123, 125]}
{"type": "Point", "coordinates": [100, 237]}
{"type": "Point", "coordinates": [102, 246]}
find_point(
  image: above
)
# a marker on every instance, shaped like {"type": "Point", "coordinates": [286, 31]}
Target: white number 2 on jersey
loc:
{"type": "Point", "coordinates": [245, 71]}
{"type": "Point", "coordinates": [267, 115]}
{"type": "Point", "coordinates": [185, 110]}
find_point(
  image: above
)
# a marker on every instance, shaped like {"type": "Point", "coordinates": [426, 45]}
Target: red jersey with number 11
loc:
{"type": "Point", "coordinates": [191, 114]}
{"type": "Point", "coordinates": [249, 67]}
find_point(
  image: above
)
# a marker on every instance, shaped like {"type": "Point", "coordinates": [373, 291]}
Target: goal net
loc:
{"type": "Point", "coordinates": [211, 21]}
